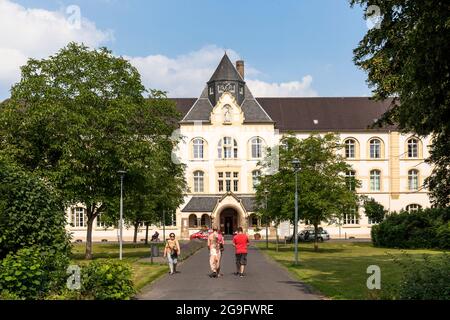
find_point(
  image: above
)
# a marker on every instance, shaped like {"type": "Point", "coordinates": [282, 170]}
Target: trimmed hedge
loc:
{"type": "Point", "coordinates": [429, 228]}
{"type": "Point", "coordinates": [191, 247]}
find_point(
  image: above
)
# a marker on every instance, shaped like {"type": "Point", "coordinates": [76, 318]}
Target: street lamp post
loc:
{"type": "Point", "coordinates": [122, 175]}
{"type": "Point", "coordinates": [164, 225]}
{"type": "Point", "coordinates": [296, 165]}
{"type": "Point", "coordinates": [267, 220]}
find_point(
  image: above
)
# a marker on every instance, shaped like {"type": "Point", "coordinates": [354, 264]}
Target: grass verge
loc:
{"type": "Point", "coordinates": [339, 270]}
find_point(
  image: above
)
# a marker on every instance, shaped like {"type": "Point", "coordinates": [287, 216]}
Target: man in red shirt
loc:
{"type": "Point", "coordinates": [240, 242]}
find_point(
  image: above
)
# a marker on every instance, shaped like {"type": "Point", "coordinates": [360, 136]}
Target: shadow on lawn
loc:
{"type": "Point", "coordinates": [111, 251]}
{"type": "Point", "coordinates": [305, 249]}
{"type": "Point", "coordinates": [345, 277]}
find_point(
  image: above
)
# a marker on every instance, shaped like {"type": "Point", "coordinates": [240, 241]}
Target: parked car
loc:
{"type": "Point", "coordinates": [309, 235]}
{"type": "Point", "coordinates": [202, 235]}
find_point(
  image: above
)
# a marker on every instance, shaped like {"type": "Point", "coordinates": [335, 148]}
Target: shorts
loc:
{"type": "Point", "coordinates": [241, 259]}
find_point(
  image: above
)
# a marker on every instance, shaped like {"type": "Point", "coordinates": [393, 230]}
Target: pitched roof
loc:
{"type": "Point", "coordinates": [315, 114]}
{"type": "Point", "coordinates": [226, 71]}
{"type": "Point", "coordinates": [207, 204]}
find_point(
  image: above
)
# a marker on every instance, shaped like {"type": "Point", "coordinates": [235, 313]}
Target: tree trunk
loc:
{"type": "Point", "coordinates": [88, 253]}
{"type": "Point", "coordinates": [146, 233]}
{"type": "Point", "coordinates": [316, 236]}
{"type": "Point", "coordinates": [276, 231]}
{"type": "Point", "coordinates": [136, 228]}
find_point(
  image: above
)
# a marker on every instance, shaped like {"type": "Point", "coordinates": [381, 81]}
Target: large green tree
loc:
{"type": "Point", "coordinates": [162, 189]}
{"type": "Point", "coordinates": [80, 116]}
{"type": "Point", "coordinates": [324, 192]}
{"type": "Point", "coordinates": [407, 58]}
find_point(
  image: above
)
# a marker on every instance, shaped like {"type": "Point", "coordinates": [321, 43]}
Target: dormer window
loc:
{"type": "Point", "coordinates": [211, 91]}
{"type": "Point", "coordinates": [241, 91]}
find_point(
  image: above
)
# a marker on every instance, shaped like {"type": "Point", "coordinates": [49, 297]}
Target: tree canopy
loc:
{"type": "Point", "coordinates": [323, 188]}
{"type": "Point", "coordinates": [407, 58]}
{"type": "Point", "coordinates": [79, 117]}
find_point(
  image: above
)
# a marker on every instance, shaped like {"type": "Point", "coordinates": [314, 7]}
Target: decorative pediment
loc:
{"type": "Point", "coordinates": [227, 111]}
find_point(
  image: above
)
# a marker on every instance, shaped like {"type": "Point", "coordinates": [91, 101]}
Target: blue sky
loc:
{"type": "Point", "coordinates": [291, 47]}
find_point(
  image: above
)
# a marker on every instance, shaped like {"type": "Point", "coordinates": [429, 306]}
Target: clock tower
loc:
{"type": "Point", "coordinates": [226, 79]}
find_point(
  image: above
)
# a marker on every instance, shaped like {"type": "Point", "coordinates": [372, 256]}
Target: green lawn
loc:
{"type": "Point", "coordinates": [143, 272]}
{"type": "Point", "coordinates": [338, 270]}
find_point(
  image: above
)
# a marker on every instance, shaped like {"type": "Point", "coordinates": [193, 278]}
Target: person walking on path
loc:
{"type": "Point", "coordinates": [214, 253]}
{"type": "Point", "coordinates": [172, 251]}
{"type": "Point", "coordinates": [222, 248]}
{"type": "Point", "coordinates": [240, 242]}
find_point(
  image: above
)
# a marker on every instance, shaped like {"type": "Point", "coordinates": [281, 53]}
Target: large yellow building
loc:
{"type": "Point", "coordinates": [226, 131]}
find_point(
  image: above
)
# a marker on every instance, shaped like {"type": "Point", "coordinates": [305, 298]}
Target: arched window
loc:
{"type": "Point", "coordinates": [375, 149]}
{"type": "Point", "coordinates": [206, 221]}
{"type": "Point", "coordinates": [413, 148]}
{"type": "Point", "coordinates": [350, 177]}
{"type": "Point", "coordinates": [198, 148]}
{"type": "Point", "coordinates": [228, 148]}
{"type": "Point", "coordinates": [253, 220]}
{"type": "Point", "coordinates": [375, 180]}
{"type": "Point", "coordinates": [199, 180]}
{"type": "Point", "coordinates": [255, 178]}
{"type": "Point", "coordinates": [350, 148]}
{"type": "Point", "coordinates": [413, 207]}
{"type": "Point", "coordinates": [257, 148]}
{"type": "Point", "coordinates": [193, 222]}
{"type": "Point", "coordinates": [413, 180]}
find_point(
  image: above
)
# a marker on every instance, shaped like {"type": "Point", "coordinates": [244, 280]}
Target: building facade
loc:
{"type": "Point", "coordinates": [226, 131]}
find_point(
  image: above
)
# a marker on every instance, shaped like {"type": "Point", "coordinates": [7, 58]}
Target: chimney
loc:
{"type": "Point", "coordinates": [241, 68]}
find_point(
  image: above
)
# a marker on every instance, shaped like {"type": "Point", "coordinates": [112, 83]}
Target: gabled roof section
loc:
{"type": "Point", "coordinates": [200, 110]}
{"type": "Point", "coordinates": [209, 203]}
{"type": "Point", "coordinates": [226, 71]}
{"type": "Point", "coordinates": [253, 112]}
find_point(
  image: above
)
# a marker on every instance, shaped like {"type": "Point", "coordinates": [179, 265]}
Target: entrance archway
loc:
{"type": "Point", "coordinates": [229, 221]}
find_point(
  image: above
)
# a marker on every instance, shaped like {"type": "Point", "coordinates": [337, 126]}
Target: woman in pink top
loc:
{"type": "Point", "coordinates": [214, 244]}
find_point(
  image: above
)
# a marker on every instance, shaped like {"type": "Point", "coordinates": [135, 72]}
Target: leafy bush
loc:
{"type": "Point", "coordinates": [426, 279]}
{"type": "Point", "coordinates": [107, 280]}
{"type": "Point", "coordinates": [31, 213]}
{"type": "Point", "coordinates": [31, 273]}
{"type": "Point", "coordinates": [419, 229]}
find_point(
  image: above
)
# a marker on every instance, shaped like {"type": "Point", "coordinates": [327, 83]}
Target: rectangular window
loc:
{"type": "Point", "coordinates": [79, 218]}
{"type": "Point", "coordinates": [228, 181]}
{"type": "Point", "coordinates": [100, 224]}
{"type": "Point", "coordinates": [350, 218]}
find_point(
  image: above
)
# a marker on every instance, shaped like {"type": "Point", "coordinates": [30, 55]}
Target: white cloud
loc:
{"type": "Point", "coordinates": [37, 33]}
{"type": "Point", "coordinates": [284, 89]}
{"type": "Point", "coordinates": [186, 75]}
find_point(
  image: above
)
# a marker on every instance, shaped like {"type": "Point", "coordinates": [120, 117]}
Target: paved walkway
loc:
{"type": "Point", "coordinates": [265, 280]}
